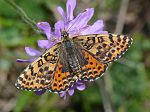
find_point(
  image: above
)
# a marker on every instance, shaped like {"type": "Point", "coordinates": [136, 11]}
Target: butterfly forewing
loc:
{"type": "Point", "coordinates": [105, 47]}
{"type": "Point", "coordinates": [39, 74]}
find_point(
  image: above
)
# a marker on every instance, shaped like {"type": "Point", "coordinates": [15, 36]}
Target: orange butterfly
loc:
{"type": "Point", "coordinates": [84, 57]}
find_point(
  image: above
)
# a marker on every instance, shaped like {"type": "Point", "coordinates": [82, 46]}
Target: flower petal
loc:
{"type": "Point", "coordinates": [71, 91]}
{"type": "Point", "coordinates": [51, 44]}
{"type": "Point", "coordinates": [40, 92]}
{"type": "Point", "coordinates": [81, 20]}
{"type": "Point", "coordinates": [62, 13]}
{"type": "Point", "coordinates": [45, 27]}
{"type": "Point", "coordinates": [32, 52]}
{"type": "Point", "coordinates": [22, 60]}
{"type": "Point", "coordinates": [96, 28]}
{"type": "Point", "coordinates": [80, 86]}
{"type": "Point", "coordinates": [71, 4]}
{"type": "Point", "coordinates": [46, 44]}
{"type": "Point", "coordinates": [63, 94]}
{"type": "Point", "coordinates": [43, 43]}
{"type": "Point", "coordinates": [59, 26]}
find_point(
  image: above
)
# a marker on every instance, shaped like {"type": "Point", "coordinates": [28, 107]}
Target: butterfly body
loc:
{"type": "Point", "coordinates": [84, 57]}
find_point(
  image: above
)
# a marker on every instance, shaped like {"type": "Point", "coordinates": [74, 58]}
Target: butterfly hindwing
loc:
{"type": "Point", "coordinates": [38, 75]}
{"type": "Point", "coordinates": [105, 47]}
{"type": "Point", "coordinates": [93, 69]}
{"type": "Point", "coordinates": [62, 80]}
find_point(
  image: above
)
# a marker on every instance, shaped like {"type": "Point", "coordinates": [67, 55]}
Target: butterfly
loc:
{"type": "Point", "coordinates": [84, 57]}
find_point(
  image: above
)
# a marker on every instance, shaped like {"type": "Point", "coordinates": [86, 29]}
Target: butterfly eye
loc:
{"type": "Point", "coordinates": [64, 34]}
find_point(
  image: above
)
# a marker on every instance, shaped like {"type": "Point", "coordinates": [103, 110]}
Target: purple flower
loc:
{"type": "Point", "coordinates": [32, 53]}
{"type": "Point", "coordinates": [77, 85]}
{"type": "Point", "coordinates": [40, 92]}
{"type": "Point", "coordinates": [74, 26]}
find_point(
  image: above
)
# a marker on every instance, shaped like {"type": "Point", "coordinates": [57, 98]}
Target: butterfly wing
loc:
{"type": "Point", "coordinates": [46, 72]}
{"type": "Point", "coordinates": [105, 47]}
{"type": "Point", "coordinates": [62, 80]}
{"type": "Point", "coordinates": [93, 69]}
{"type": "Point", "coordinates": [68, 68]}
{"type": "Point", "coordinates": [39, 74]}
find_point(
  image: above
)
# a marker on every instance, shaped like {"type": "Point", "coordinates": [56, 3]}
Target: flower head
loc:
{"type": "Point", "coordinates": [74, 26]}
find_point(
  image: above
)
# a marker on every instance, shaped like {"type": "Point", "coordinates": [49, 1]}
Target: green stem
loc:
{"type": "Point", "coordinates": [105, 93]}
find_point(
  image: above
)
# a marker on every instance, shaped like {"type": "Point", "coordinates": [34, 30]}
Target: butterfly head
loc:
{"type": "Point", "coordinates": [64, 35]}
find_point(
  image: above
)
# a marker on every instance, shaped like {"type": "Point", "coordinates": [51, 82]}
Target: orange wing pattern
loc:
{"type": "Point", "coordinates": [95, 51]}
{"type": "Point", "coordinates": [105, 47]}
{"type": "Point", "coordinates": [38, 75]}
{"type": "Point", "coordinates": [62, 80]}
{"type": "Point", "coordinates": [93, 69]}
{"type": "Point", "coordinates": [46, 72]}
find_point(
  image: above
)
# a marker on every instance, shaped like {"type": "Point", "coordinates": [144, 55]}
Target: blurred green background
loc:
{"type": "Point", "coordinates": [126, 84]}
